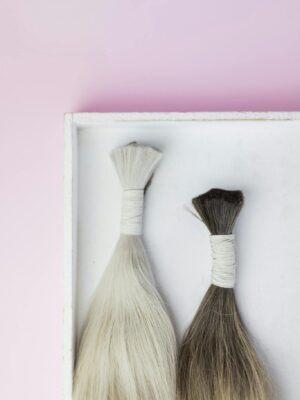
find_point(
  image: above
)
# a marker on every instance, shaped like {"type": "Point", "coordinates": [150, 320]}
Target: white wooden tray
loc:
{"type": "Point", "coordinates": [258, 153]}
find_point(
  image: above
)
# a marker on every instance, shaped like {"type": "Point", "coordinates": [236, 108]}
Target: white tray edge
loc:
{"type": "Point", "coordinates": [72, 122]}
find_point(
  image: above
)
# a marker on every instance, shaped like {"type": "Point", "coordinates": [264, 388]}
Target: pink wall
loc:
{"type": "Point", "coordinates": [108, 55]}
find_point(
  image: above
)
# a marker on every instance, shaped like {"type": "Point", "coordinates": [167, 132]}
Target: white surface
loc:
{"type": "Point", "coordinates": [200, 151]}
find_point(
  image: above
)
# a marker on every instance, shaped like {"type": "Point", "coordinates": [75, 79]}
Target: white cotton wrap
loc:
{"type": "Point", "coordinates": [132, 212]}
{"type": "Point", "coordinates": [223, 260]}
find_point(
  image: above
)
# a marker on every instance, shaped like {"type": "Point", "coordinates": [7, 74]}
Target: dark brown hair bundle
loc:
{"type": "Point", "coordinates": [217, 360]}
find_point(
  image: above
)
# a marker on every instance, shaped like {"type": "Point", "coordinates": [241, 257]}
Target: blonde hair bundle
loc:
{"type": "Point", "coordinates": [128, 347]}
{"type": "Point", "coordinates": [217, 360]}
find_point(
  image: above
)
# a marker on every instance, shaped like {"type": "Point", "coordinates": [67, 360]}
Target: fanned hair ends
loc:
{"type": "Point", "coordinates": [216, 358]}
{"type": "Point", "coordinates": [128, 348]}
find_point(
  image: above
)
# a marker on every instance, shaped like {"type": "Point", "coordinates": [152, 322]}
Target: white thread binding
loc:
{"type": "Point", "coordinates": [132, 212]}
{"type": "Point", "coordinates": [223, 260]}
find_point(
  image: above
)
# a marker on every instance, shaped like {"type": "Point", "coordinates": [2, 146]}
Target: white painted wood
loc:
{"type": "Point", "coordinates": [94, 118]}
{"type": "Point", "coordinates": [256, 152]}
{"type": "Point", "coordinates": [70, 250]}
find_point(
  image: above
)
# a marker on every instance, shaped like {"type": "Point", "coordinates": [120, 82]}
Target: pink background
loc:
{"type": "Point", "coordinates": [108, 55]}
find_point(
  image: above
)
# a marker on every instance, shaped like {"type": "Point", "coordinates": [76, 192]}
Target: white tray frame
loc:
{"type": "Point", "coordinates": [73, 121]}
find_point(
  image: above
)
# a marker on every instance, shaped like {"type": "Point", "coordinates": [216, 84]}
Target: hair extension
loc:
{"type": "Point", "coordinates": [216, 359]}
{"type": "Point", "coordinates": [128, 348]}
